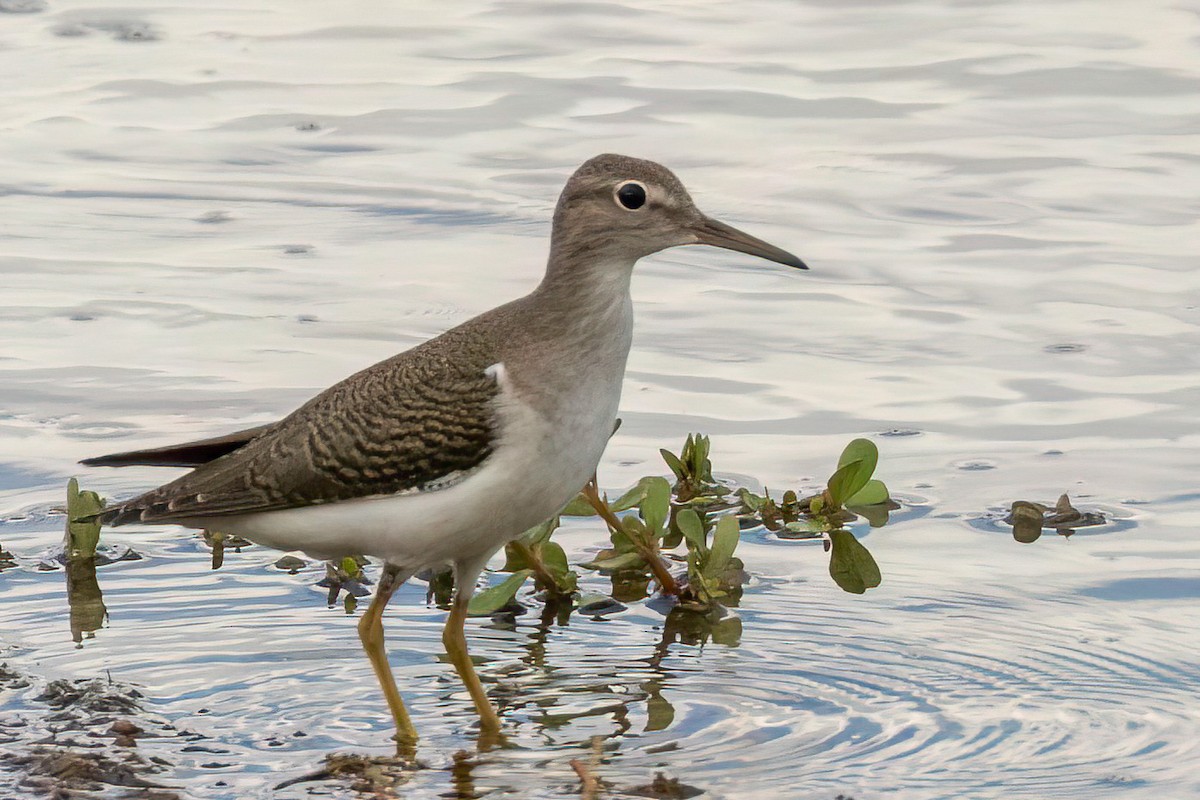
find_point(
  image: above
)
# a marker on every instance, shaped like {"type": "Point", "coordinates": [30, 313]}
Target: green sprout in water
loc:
{"type": "Point", "coordinates": [83, 525]}
{"type": "Point", "coordinates": [693, 471]}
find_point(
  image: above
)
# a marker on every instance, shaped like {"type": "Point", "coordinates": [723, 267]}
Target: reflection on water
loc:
{"type": "Point", "coordinates": [86, 602]}
{"type": "Point", "coordinates": [210, 213]}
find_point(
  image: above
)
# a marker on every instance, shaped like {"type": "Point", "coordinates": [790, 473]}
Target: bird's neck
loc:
{"type": "Point", "coordinates": [586, 283]}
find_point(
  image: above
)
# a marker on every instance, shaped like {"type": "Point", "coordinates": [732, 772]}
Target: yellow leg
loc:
{"type": "Point", "coordinates": [455, 641]}
{"type": "Point", "coordinates": [370, 631]}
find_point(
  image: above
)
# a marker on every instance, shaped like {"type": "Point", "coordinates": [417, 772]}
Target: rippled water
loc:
{"type": "Point", "coordinates": [210, 213]}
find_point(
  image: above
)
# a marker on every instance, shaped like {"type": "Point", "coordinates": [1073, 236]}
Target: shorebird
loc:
{"type": "Point", "coordinates": [443, 453]}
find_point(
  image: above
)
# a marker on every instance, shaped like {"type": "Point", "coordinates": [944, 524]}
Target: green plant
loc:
{"type": "Point", "coordinates": [693, 471]}
{"type": "Point", "coordinates": [83, 524]}
{"type": "Point", "coordinates": [714, 573]}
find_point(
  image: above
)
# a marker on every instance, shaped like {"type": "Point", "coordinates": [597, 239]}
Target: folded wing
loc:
{"type": "Point", "coordinates": [417, 422]}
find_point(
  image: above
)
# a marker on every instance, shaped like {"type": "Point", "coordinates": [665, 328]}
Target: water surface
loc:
{"type": "Point", "coordinates": [211, 213]}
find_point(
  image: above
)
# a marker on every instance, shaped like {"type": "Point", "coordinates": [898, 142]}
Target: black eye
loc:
{"type": "Point", "coordinates": [632, 195]}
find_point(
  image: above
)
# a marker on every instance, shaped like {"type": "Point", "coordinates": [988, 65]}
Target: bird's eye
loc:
{"type": "Point", "coordinates": [631, 195]}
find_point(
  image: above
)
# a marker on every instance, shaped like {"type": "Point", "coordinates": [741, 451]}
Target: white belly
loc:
{"type": "Point", "coordinates": [536, 467]}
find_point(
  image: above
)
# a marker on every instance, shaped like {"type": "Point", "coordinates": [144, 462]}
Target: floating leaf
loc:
{"type": "Point", "coordinates": [656, 504]}
{"type": "Point", "coordinates": [851, 565]}
{"type": "Point", "coordinates": [874, 493]}
{"type": "Point", "coordinates": [724, 542]}
{"type": "Point", "coordinates": [494, 598]}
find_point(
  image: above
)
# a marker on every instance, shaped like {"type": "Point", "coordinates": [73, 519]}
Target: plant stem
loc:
{"type": "Point", "coordinates": [540, 572]}
{"type": "Point", "coordinates": [666, 581]}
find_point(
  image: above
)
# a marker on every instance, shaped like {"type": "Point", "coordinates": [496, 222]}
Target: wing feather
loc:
{"type": "Point", "coordinates": [404, 424]}
{"type": "Point", "coordinates": [188, 454]}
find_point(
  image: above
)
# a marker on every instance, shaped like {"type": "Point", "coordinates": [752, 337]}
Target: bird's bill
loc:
{"type": "Point", "coordinates": [718, 234]}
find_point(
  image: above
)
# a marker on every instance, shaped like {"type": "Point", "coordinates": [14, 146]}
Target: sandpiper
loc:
{"type": "Point", "coordinates": [442, 454]}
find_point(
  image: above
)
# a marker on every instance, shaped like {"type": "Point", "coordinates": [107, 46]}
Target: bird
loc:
{"type": "Point", "coordinates": [442, 454]}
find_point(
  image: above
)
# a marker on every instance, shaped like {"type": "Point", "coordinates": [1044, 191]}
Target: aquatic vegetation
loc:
{"type": "Point", "coordinates": [706, 517]}
{"type": "Point", "coordinates": [1029, 518]}
{"type": "Point", "coordinates": [218, 541]}
{"type": "Point", "coordinates": [83, 528]}
{"type": "Point", "coordinates": [647, 527]}
{"type": "Point", "coordinates": [346, 575]}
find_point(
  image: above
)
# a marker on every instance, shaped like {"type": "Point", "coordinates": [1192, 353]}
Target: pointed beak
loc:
{"type": "Point", "coordinates": [718, 234]}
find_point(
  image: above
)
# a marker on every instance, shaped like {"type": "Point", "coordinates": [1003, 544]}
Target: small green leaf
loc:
{"type": "Point", "coordinates": [83, 530]}
{"type": "Point", "coordinates": [540, 533]}
{"type": "Point", "coordinates": [750, 500]}
{"type": "Point", "coordinates": [855, 468]}
{"type": "Point", "coordinates": [861, 450]}
{"type": "Point", "coordinates": [692, 529]}
{"type": "Point", "coordinates": [631, 499]}
{"type": "Point", "coordinates": [514, 558]}
{"type": "Point", "coordinates": [349, 566]}
{"type": "Point", "coordinates": [555, 561]}
{"type": "Point", "coordinates": [616, 563]}
{"type": "Point", "coordinates": [494, 598]}
{"type": "Point", "coordinates": [725, 541]}
{"type": "Point", "coordinates": [848, 480]}
{"type": "Point", "coordinates": [873, 493]}
{"type": "Point", "coordinates": [851, 565]}
{"type": "Point", "coordinates": [656, 505]}
{"type": "Point", "coordinates": [673, 462]}
{"type": "Point", "coordinates": [578, 507]}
